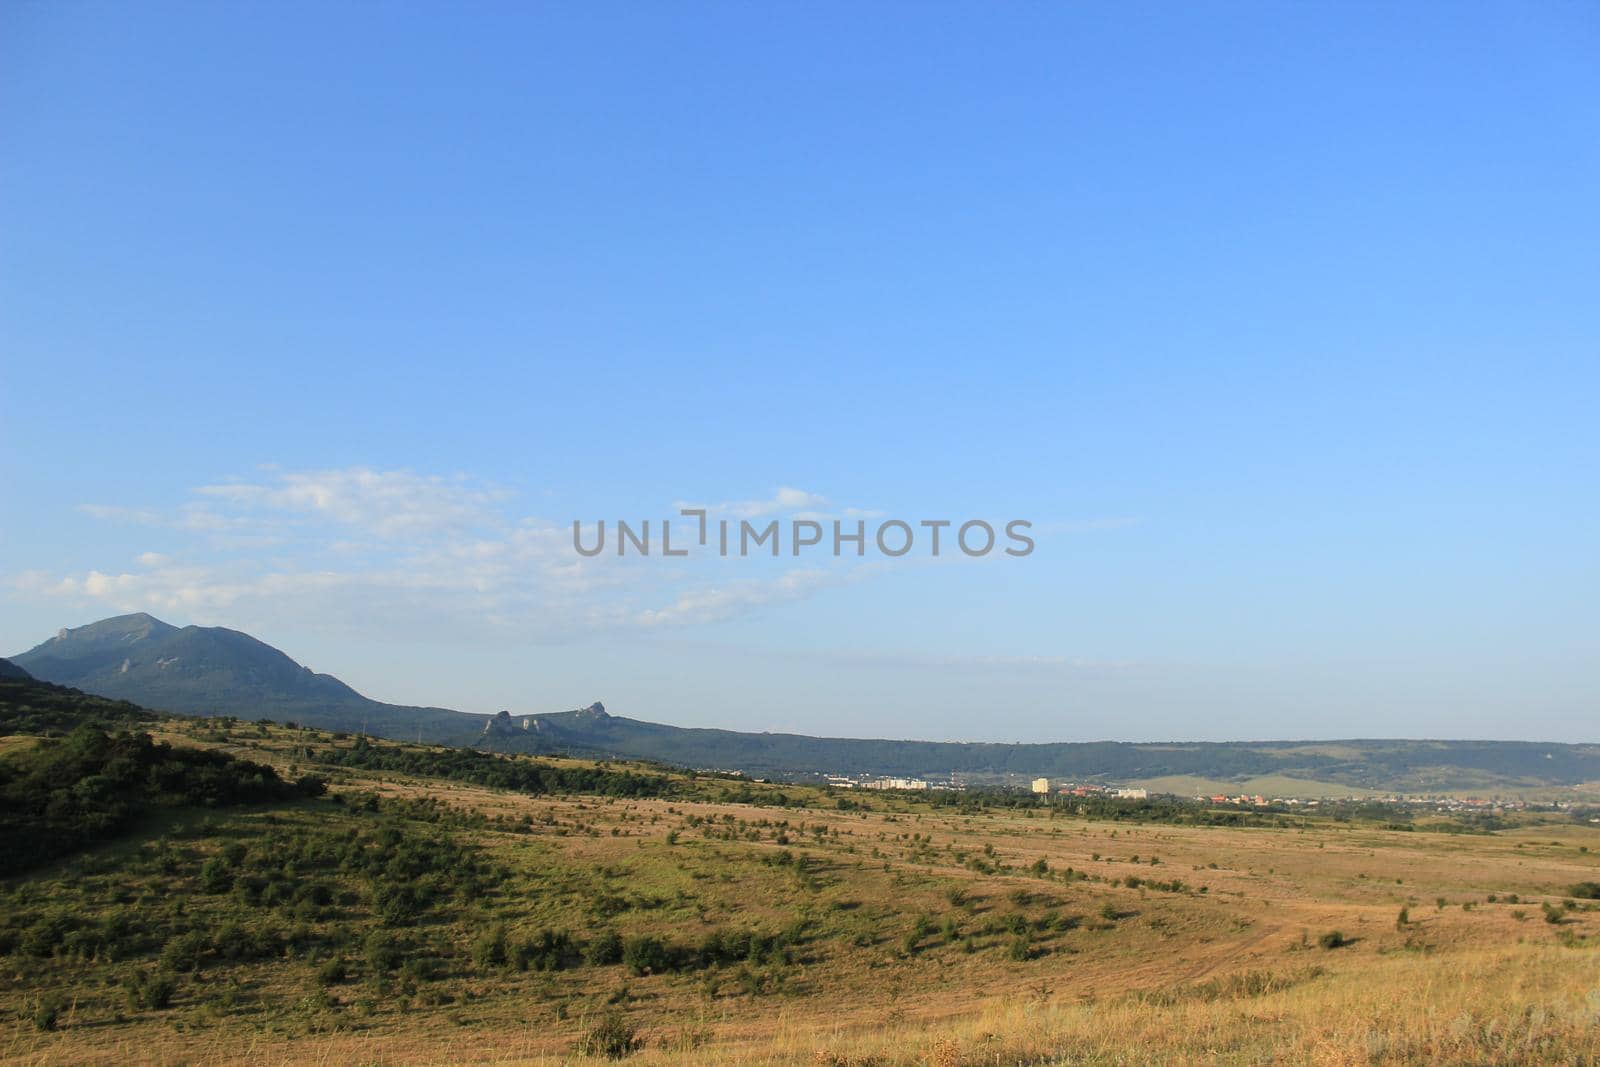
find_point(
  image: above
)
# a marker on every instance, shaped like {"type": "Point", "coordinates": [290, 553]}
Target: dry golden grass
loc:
{"type": "Point", "coordinates": [1233, 974]}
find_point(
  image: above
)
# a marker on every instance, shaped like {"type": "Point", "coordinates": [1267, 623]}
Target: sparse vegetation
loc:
{"type": "Point", "coordinates": [401, 910]}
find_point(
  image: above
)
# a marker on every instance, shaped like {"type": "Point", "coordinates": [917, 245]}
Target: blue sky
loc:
{"type": "Point", "coordinates": [1279, 322]}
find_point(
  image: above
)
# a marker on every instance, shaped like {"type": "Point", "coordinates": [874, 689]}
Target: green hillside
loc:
{"type": "Point", "coordinates": [210, 670]}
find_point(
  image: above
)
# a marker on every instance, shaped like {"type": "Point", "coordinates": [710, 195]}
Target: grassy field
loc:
{"type": "Point", "coordinates": [404, 918]}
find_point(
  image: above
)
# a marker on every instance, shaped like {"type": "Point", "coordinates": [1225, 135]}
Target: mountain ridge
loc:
{"type": "Point", "coordinates": [217, 671]}
{"type": "Point", "coordinates": [1419, 765]}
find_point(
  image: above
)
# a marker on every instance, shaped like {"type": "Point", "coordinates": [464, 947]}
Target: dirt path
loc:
{"type": "Point", "coordinates": [1205, 968]}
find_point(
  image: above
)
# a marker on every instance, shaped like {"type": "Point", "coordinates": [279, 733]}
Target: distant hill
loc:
{"type": "Point", "coordinates": [209, 670]}
{"type": "Point", "coordinates": [11, 670]}
{"type": "Point", "coordinates": [1409, 766]}
{"type": "Point", "coordinates": [214, 671]}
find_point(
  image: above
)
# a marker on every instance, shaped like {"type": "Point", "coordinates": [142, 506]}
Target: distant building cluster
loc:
{"type": "Point", "coordinates": [1045, 787]}
{"type": "Point", "coordinates": [870, 781]}
{"type": "Point", "coordinates": [896, 783]}
{"type": "Point", "coordinates": [1242, 799]}
{"type": "Point", "coordinates": [1094, 789]}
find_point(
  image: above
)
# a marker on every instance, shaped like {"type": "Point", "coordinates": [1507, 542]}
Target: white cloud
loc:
{"type": "Point", "coordinates": [403, 550]}
{"type": "Point", "coordinates": [784, 499]}
{"type": "Point", "coordinates": [720, 602]}
{"type": "Point", "coordinates": [383, 503]}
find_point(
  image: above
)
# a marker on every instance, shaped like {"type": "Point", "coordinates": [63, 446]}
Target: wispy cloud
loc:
{"type": "Point", "coordinates": [383, 503]}
{"type": "Point", "coordinates": [721, 602]}
{"type": "Point", "coordinates": [784, 500]}
{"type": "Point", "coordinates": [402, 548]}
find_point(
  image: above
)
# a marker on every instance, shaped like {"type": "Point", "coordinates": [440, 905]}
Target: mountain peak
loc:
{"type": "Point", "coordinates": [596, 710]}
{"type": "Point", "coordinates": [130, 627]}
{"type": "Point", "coordinates": [117, 632]}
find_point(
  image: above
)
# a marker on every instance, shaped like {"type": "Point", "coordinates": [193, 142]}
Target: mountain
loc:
{"type": "Point", "coordinates": [209, 670]}
{"type": "Point", "coordinates": [215, 671]}
{"type": "Point", "coordinates": [1385, 765]}
{"type": "Point", "coordinates": [11, 670]}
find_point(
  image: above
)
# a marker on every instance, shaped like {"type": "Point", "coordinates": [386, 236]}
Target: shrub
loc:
{"type": "Point", "coordinates": [150, 992]}
{"type": "Point", "coordinates": [234, 941]}
{"type": "Point", "coordinates": [612, 1037]}
{"type": "Point", "coordinates": [1584, 890]}
{"type": "Point", "coordinates": [215, 876]}
{"type": "Point", "coordinates": [47, 1012]}
{"type": "Point", "coordinates": [646, 955]}
{"type": "Point", "coordinates": [1403, 919]}
{"type": "Point", "coordinates": [398, 905]}
{"type": "Point", "coordinates": [547, 950]}
{"type": "Point", "coordinates": [184, 952]}
{"type": "Point", "coordinates": [605, 949]}
{"type": "Point", "coordinates": [489, 950]}
{"type": "Point", "coordinates": [383, 952]}
{"type": "Point", "coordinates": [1333, 939]}
{"type": "Point", "coordinates": [41, 938]}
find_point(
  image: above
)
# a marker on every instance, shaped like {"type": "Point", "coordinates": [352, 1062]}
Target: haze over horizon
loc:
{"type": "Point", "coordinates": [1277, 325]}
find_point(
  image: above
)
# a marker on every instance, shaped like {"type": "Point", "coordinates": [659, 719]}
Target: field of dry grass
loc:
{"type": "Point", "coordinates": [922, 936]}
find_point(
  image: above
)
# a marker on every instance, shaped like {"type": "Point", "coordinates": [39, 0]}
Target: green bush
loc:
{"type": "Point", "coordinates": [489, 950]}
{"type": "Point", "coordinates": [215, 875]}
{"type": "Point", "coordinates": [47, 1012]}
{"type": "Point", "coordinates": [1333, 939]}
{"type": "Point", "coordinates": [613, 1037]}
{"type": "Point", "coordinates": [605, 949]}
{"type": "Point", "coordinates": [150, 992]}
{"type": "Point", "coordinates": [184, 952]}
{"type": "Point", "coordinates": [546, 950]}
{"type": "Point", "coordinates": [383, 952]}
{"type": "Point", "coordinates": [646, 955]}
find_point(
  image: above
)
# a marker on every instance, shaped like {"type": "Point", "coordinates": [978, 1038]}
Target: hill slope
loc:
{"type": "Point", "coordinates": [29, 706]}
{"type": "Point", "coordinates": [1411, 766]}
{"type": "Point", "coordinates": [209, 670]}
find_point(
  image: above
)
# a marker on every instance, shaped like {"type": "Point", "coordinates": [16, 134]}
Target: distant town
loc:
{"type": "Point", "coordinates": [1045, 787]}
